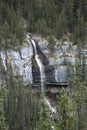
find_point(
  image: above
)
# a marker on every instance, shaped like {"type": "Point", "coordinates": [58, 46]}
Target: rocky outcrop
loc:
{"type": "Point", "coordinates": [63, 59]}
{"type": "Point", "coordinates": [20, 61]}
{"type": "Point", "coordinates": [47, 67]}
{"type": "Point", "coordinates": [56, 63]}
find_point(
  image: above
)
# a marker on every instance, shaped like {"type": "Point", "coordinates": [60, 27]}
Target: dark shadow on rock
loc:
{"type": "Point", "coordinates": [49, 70]}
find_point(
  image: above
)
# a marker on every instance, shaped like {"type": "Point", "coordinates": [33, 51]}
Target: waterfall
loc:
{"type": "Point", "coordinates": [41, 66]}
{"type": "Point", "coordinates": [39, 63]}
{"type": "Point", "coordinates": [42, 75]}
{"type": "Point", "coordinates": [52, 109]}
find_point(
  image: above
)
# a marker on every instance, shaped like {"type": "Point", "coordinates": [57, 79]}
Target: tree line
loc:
{"type": "Point", "coordinates": [44, 17]}
{"type": "Point", "coordinates": [22, 108]}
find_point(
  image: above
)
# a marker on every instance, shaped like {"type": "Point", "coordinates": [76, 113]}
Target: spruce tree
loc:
{"type": "Point", "coordinates": [51, 43]}
{"type": "Point", "coordinates": [2, 98]}
{"type": "Point", "coordinates": [80, 91]}
{"type": "Point", "coordinates": [66, 113]}
{"type": "Point", "coordinates": [79, 28]}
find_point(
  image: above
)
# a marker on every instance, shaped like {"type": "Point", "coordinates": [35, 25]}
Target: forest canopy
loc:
{"type": "Point", "coordinates": [20, 107]}
{"type": "Point", "coordinates": [45, 17]}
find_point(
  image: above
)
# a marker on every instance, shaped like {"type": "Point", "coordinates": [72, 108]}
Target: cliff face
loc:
{"type": "Point", "coordinates": [63, 59]}
{"type": "Point", "coordinates": [21, 61]}
{"type": "Point", "coordinates": [56, 63]}
{"type": "Point", "coordinates": [64, 54]}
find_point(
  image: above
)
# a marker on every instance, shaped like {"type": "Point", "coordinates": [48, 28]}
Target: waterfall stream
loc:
{"type": "Point", "coordinates": [42, 75]}
{"type": "Point", "coordinates": [41, 66]}
{"type": "Point", "coordinates": [39, 63]}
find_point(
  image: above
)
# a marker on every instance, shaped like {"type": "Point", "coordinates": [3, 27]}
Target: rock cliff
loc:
{"type": "Point", "coordinates": [56, 63]}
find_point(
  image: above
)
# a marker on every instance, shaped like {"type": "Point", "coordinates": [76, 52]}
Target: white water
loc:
{"type": "Point", "coordinates": [28, 36]}
{"type": "Point", "coordinates": [39, 63]}
{"type": "Point", "coordinates": [52, 109]}
{"type": "Point", "coordinates": [42, 76]}
{"type": "Point", "coordinates": [41, 67]}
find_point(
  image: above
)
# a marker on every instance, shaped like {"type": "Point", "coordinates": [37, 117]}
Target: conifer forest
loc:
{"type": "Point", "coordinates": [43, 64]}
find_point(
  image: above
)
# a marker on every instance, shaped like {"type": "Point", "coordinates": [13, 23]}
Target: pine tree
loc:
{"type": "Point", "coordinates": [40, 26]}
{"type": "Point", "coordinates": [66, 113]}
{"type": "Point", "coordinates": [59, 28]}
{"type": "Point", "coordinates": [6, 32]}
{"type": "Point", "coordinates": [2, 118]}
{"type": "Point", "coordinates": [79, 28]}
{"type": "Point", "coordinates": [51, 43]}
{"type": "Point", "coordinates": [61, 25]}
{"type": "Point", "coordinates": [69, 14]}
{"type": "Point", "coordinates": [80, 91]}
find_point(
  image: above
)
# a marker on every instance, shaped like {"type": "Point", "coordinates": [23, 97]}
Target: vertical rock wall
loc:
{"type": "Point", "coordinates": [20, 61]}
{"type": "Point", "coordinates": [56, 63]}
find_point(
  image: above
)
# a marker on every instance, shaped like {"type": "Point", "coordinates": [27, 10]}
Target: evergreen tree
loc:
{"type": "Point", "coordinates": [41, 26]}
{"type": "Point", "coordinates": [80, 91]}
{"type": "Point", "coordinates": [6, 32]}
{"type": "Point", "coordinates": [79, 28]}
{"type": "Point", "coordinates": [21, 106]}
{"type": "Point", "coordinates": [51, 43]}
{"type": "Point", "coordinates": [69, 14]}
{"type": "Point", "coordinates": [59, 28]}
{"type": "Point", "coordinates": [2, 118]}
{"type": "Point", "coordinates": [66, 113]}
{"type": "Point", "coordinates": [46, 13]}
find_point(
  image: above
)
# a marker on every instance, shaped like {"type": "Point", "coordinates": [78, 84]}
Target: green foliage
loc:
{"type": "Point", "coordinates": [80, 92]}
{"type": "Point", "coordinates": [59, 28]}
{"type": "Point", "coordinates": [21, 106]}
{"type": "Point", "coordinates": [44, 121]}
{"type": "Point", "coordinates": [69, 14]}
{"type": "Point", "coordinates": [40, 26]}
{"type": "Point", "coordinates": [12, 28]}
{"type": "Point", "coordinates": [2, 118]}
{"type": "Point", "coordinates": [6, 31]}
{"type": "Point", "coordinates": [51, 43]}
{"type": "Point", "coordinates": [79, 28]}
{"type": "Point", "coordinates": [66, 113]}
{"type": "Point", "coordinates": [56, 16]}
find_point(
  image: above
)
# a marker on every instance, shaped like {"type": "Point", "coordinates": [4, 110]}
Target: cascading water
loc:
{"type": "Point", "coordinates": [42, 75]}
{"type": "Point", "coordinates": [39, 63]}
{"type": "Point", "coordinates": [41, 67]}
{"type": "Point", "coordinates": [52, 109]}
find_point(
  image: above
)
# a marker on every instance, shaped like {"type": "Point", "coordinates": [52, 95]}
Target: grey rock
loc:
{"type": "Point", "coordinates": [60, 73]}
{"type": "Point", "coordinates": [21, 62]}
